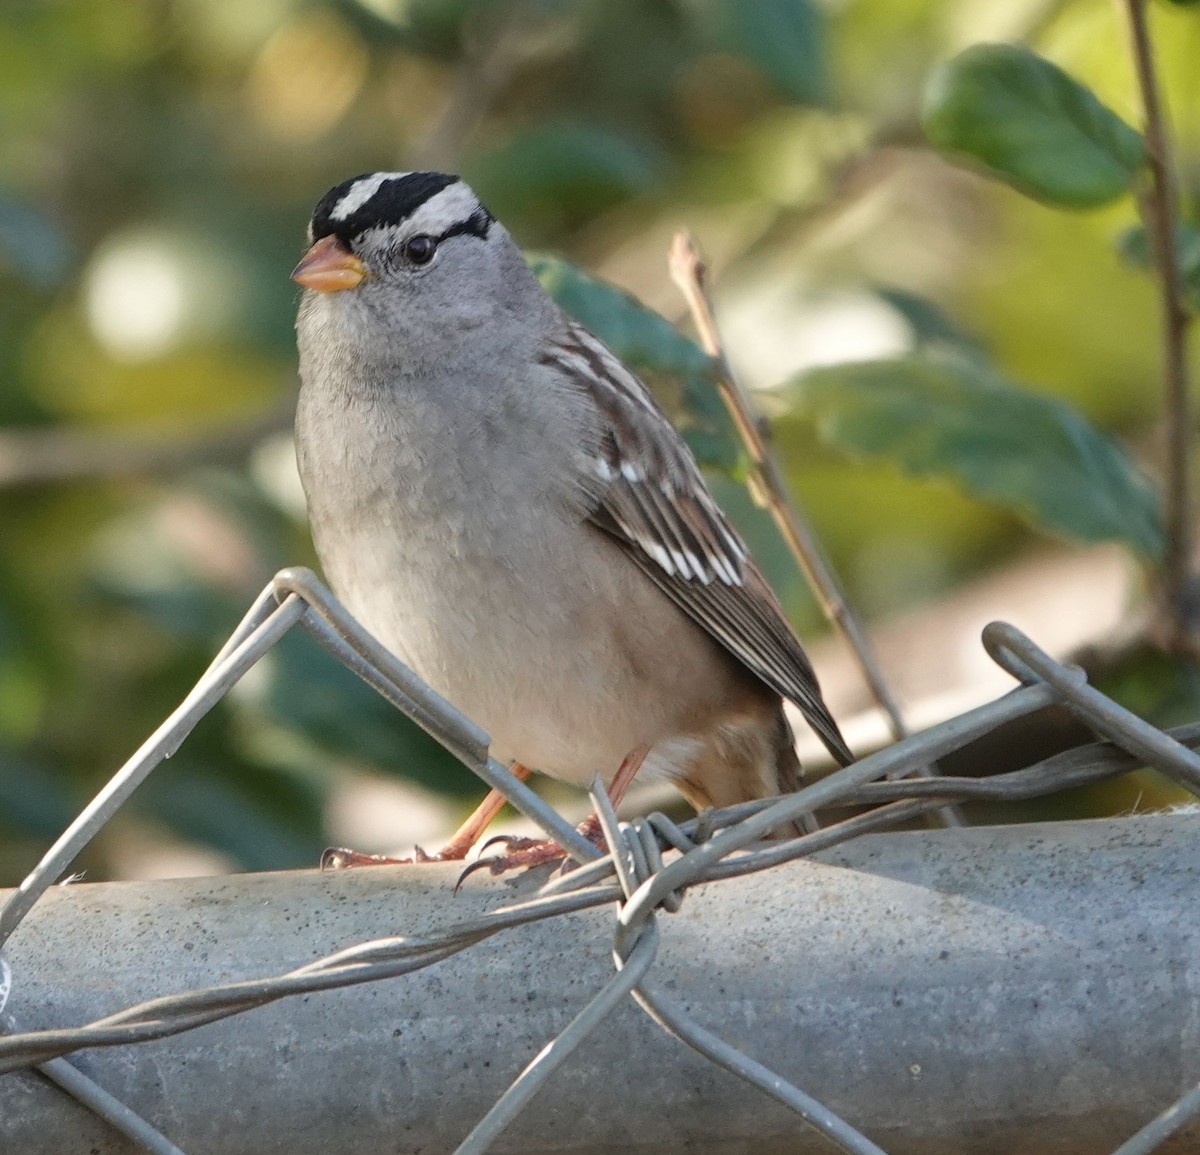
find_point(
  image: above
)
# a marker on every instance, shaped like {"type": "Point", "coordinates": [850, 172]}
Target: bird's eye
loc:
{"type": "Point", "coordinates": [420, 249]}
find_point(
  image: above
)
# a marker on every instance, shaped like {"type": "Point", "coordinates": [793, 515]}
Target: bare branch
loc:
{"type": "Point", "coordinates": [499, 44]}
{"type": "Point", "coordinates": [41, 456]}
{"type": "Point", "coordinates": [1157, 204]}
{"type": "Point", "coordinates": [768, 485]}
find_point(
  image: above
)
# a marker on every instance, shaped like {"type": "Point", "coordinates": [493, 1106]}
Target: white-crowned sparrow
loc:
{"type": "Point", "coordinates": [500, 501]}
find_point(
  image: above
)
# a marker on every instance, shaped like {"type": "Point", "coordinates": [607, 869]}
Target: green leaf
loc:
{"type": "Point", "coordinates": [954, 419]}
{"type": "Point", "coordinates": [784, 39]}
{"type": "Point", "coordinates": [648, 344]}
{"type": "Point", "coordinates": [1030, 124]}
{"type": "Point", "coordinates": [932, 330]}
{"type": "Point", "coordinates": [1134, 245]}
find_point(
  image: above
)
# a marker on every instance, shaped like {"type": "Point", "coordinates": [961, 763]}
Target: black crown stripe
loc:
{"type": "Point", "coordinates": [393, 203]}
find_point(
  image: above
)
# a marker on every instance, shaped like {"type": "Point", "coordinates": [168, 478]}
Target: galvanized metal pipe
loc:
{"type": "Point", "coordinates": [970, 991]}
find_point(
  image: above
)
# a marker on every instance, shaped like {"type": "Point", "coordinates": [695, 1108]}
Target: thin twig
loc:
{"type": "Point", "coordinates": [690, 275]}
{"type": "Point", "coordinates": [41, 456]}
{"type": "Point", "coordinates": [1157, 206]}
{"type": "Point", "coordinates": [851, 180]}
{"type": "Point", "coordinates": [494, 52]}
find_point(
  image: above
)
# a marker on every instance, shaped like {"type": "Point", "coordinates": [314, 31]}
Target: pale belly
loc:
{"type": "Point", "coordinates": [565, 673]}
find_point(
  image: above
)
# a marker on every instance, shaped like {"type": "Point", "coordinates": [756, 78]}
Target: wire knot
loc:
{"type": "Point", "coordinates": [634, 846]}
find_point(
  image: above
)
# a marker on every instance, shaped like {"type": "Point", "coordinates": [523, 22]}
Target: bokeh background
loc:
{"type": "Point", "coordinates": [158, 162]}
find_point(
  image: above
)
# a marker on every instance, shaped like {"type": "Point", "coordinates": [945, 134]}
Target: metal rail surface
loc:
{"type": "Point", "coordinates": [650, 865]}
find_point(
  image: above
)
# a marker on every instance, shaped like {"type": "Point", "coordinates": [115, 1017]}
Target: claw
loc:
{"type": "Point", "coordinates": [512, 842]}
{"type": "Point", "coordinates": [341, 858]}
{"type": "Point", "coordinates": [467, 871]}
{"type": "Point", "coordinates": [530, 853]}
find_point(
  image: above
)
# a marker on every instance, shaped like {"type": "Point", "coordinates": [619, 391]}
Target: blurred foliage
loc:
{"type": "Point", "coordinates": [651, 346]}
{"type": "Point", "coordinates": [1134, 246]}
{"type": "Point", "coordinates": [1026, 121]}
{"type": "Point", "coordinates": [956, 418]}
{"type": "Point", "coordinates": [158, 161]}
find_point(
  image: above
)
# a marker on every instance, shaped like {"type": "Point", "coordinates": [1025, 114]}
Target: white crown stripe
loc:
{"type": "Point", "coordinates": [447, 207]}
{"type": "Point", "coordinates": [361, 192]}
{"type": "Point", "coordinates": [441, 212]}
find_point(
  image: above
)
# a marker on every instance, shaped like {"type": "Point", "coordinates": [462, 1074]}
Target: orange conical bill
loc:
{"type": "Point", "coordinates": [329, 267]}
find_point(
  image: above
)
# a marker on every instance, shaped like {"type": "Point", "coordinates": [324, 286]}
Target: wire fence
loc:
{"type": "Point", "coordinates": [650, 862]}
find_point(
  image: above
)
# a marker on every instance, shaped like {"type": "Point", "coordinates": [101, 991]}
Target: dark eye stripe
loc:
{"type": "Point", "coordinates": [477, 224]}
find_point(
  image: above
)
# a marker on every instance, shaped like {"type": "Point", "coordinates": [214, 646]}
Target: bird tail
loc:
{"type": "Point", "coordinates": [788, 774]}
{"type": "Point", "coordinates": [788, 771]}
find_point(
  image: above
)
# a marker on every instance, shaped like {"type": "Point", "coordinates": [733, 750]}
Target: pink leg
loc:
{"type": "Point", "coordinates": [622, 780]}
{"type": "Point", "coordinates": [339, 858]}
{"type": "Point", "coordinates": [534, 852]}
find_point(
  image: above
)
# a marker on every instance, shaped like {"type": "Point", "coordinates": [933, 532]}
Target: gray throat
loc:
{"type": "Point", "coordinates": [415, 469]}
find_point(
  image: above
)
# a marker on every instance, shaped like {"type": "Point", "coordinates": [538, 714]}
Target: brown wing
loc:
{"type": "Point", "coordinates": [654, 501]}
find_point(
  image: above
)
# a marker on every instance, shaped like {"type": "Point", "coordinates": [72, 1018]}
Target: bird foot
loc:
{"type": "Point", "coordinates": [530, 852]}
{"type": "Point", "coordinates": [342, 858]}
{"type": "Point", "coordinates": [521, 853]}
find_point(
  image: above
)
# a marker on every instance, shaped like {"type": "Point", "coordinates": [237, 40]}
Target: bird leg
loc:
{"type": "Point", "coordinates": [526, 852]}
{"type": "Point", "coordinates": [339, 858]}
